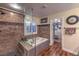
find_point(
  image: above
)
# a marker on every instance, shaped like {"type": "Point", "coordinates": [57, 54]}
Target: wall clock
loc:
{"type": "Point", "coordinates": [72, 19]}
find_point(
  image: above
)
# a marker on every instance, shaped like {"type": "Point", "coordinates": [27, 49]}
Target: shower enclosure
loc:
{"type": "Point", "coordinates": [32, 44]}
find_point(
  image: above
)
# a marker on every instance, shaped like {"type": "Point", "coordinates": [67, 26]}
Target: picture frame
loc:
{"type": "Point", "coordinates": [70, 31]}
{"type": "Point", "coordinates": [44, 20]}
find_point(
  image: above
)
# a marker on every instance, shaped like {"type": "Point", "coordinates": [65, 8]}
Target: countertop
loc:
{"type": "Point", "coordinates": [26, 45]}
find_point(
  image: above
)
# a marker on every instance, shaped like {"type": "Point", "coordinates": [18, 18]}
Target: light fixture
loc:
{"type": "Point", "coordinates": [15, 5]}
{"type": "Point", "coordinates": [45, 6]}
{"type": "Point", "coordinates": [11, 13]}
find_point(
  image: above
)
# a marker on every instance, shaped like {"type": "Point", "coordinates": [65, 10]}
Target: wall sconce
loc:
{"type": "Point", "coordinates": [1, 12]}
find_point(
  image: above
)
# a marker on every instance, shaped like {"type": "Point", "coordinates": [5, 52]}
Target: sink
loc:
{"type": "Point", "coordinates": [29, 42]}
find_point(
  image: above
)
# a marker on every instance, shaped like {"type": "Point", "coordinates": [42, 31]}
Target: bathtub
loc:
{"type": "Point", "coordinates": [35, 45]}
{"type": "Point", "coordinates": [38, 40]}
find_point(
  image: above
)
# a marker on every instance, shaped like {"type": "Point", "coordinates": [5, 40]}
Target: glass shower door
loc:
{"type": "Point", "coordinates": [30, 29]}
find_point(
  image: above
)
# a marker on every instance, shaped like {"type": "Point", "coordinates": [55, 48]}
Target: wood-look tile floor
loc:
{"type": "Point", "coordinates": [54, 50]}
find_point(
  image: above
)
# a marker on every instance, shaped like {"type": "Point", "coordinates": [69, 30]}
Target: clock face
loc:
{"type": "Point", "coordinates": [72, 19]}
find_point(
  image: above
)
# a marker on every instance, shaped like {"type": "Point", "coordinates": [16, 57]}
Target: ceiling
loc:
{"type": "Point", "coordinates": [42, 9]}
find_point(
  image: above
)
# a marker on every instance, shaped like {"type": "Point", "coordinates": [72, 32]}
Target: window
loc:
{"type": "Point", "coordinates": [30, 26]}
{"type": "Point", "coordinates": [33, 27]}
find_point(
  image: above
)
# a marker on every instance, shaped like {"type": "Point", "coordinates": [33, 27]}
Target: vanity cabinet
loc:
{"type": "Point", "coordinates": [20, 50]}
{"type": "Point", "coordinates": [27, 50]}
{"type": "Point", "coordinates": [24, 50]}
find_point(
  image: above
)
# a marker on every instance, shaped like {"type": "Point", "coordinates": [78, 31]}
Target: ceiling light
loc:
{"type": "Point", "coordinates": [15, 5]}
{"type": "Point", "coordinates": [12, 13]}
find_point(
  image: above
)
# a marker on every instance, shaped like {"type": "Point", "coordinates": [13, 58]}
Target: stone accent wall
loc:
{"type": "Point", "coordinates": [11, 16]}
{"type": "Point", "coordinates": [11, 31]}
{"type": "Point", "coordinates": [44, 31]}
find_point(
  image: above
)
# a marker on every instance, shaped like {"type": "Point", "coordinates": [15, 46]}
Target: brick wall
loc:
{"type": "Point", "coordinates": [44, 31]}
{"type": "Point", "coordinates": [11, 31]}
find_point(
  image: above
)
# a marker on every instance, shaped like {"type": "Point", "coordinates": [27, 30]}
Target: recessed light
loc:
{"type": "Point", "coordinates": [15, 5]}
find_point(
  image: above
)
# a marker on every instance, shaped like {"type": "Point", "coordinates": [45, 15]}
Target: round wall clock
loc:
{"type": "Point", "coordinates": [72, 19]}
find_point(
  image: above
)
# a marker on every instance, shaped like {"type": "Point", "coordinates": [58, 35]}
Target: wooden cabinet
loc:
{"type": "Point", "coordinates": [20, 49]}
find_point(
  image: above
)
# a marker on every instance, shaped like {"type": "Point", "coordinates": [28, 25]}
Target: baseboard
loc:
{"type": "Point", "coordinates": [68, 50]}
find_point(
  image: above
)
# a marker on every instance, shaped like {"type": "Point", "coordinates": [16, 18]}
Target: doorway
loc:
{"type": "Point", "coordinates": [57, 34]}
{"type": "Point", "coordinates": [56, 31]}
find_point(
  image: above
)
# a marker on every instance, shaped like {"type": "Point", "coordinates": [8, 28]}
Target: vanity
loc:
{"type": "Point", "coordinates": [32, 47]}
